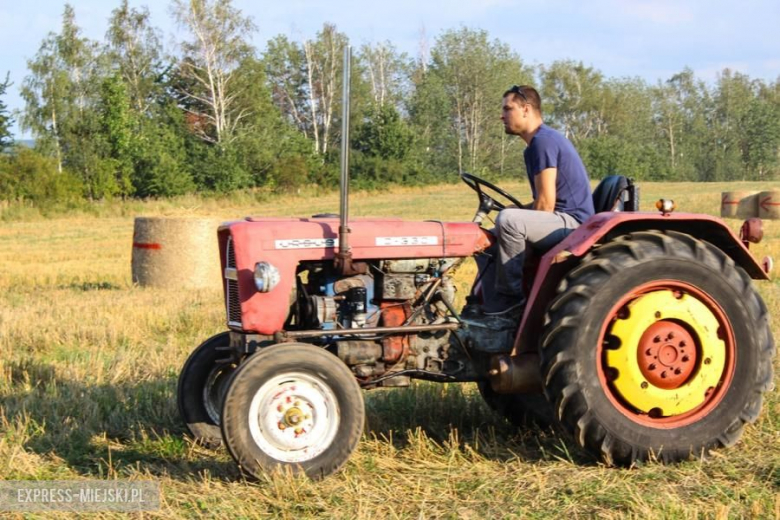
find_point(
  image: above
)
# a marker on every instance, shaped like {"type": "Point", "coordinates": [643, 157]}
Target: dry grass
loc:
{"type": "Point", "coordinates": [88, 367]}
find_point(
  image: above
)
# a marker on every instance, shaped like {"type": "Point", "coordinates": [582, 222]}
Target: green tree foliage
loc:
{"type": "Point", "coordinates": [623, 142]}
{"type": "Point", "coordinates": [286, 74]}
{"type": "Point", "coordinates": [146, 130]}
{"type": "Point", "coordinates": [62, 95]}
{"type": "Point", "coordinates": [574, 100]}
{"type": "Point", "coordinates": [762, 134]}
{"type": "Point", "coordinates": [266, 138]}
{"type": "Point", "coordinates": [385, 71]}
{"type": "Point", "coordinates": [383, 142]}
{"type": "Point", "coordinates": [472, 72]}
{"type": "Point", "coordinates": [217, 45]}
{"type": "Point", "coordinates": [161, 161]}
{"type": "Point", "coordinates": [429, 109]}
{"type": "Point", "coordinates": [135, 52]}
{"type": "Point", "coordinates": [28, 175]}
{"type": "Point", "coordinates": [681, 107]}
{"type": "Point", "coordinates": [117, 130]}
{"type": "Point", "coordinates": [123, 118]}
{"type": "Point", "coordinates": [383, 134]}
{"type": "Point", "coordinates": [49, 91]}
{"type": "Point", "coordinates": [6, 139]}
{"type": "Point", "coordinates": [306, 85]}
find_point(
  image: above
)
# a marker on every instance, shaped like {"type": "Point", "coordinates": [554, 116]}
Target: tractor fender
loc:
{"type": "Point", "coordinates": [601, 227]}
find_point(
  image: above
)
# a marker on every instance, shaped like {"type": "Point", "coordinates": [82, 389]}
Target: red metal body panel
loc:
{"type": "Point", "coordinates": [285, 242]}
{"type": "Point", "coordinates": [593, 230]}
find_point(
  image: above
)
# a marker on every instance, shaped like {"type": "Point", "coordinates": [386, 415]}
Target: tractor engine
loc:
{"type": "Point", "coordinates": [392, 293]}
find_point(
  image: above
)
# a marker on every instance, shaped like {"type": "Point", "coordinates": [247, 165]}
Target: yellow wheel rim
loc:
{"type": "Point", "coordinates": [666, 353]}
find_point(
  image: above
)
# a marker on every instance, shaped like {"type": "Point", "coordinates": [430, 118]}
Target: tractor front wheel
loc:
{"type": "Point", "coordinates": [293, 406]}
{"type": "Point", "coordinates": [657, 345]}
{"type": "Point", "coordinates": [201, 389]}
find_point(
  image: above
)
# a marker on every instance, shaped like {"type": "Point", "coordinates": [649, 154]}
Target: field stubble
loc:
{"type": "Point", "coordinates": [88, 368]}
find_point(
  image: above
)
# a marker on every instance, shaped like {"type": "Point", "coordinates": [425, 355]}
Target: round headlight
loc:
{"type": "Point", "coordinates": [266, 276]}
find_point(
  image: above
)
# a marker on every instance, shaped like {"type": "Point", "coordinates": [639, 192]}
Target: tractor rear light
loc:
{"type": "Point", "coordinates": [752, 231]}
{"type": "Point", "coordinates": [266, 276]}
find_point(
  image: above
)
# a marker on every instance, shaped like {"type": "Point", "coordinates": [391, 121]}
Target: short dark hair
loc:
{"type": "Point", "coordinates": [526, 94]}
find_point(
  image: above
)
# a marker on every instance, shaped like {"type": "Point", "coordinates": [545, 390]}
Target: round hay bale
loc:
{"type": "Point", "coordinates": [176, 252]}
{"type": "Point", "coordinates": [769, 204]}
{"type": "Point", "coordinates": [739, 204]}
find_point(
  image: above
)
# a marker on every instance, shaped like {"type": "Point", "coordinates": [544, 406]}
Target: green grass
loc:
{"type": "Point", "coordinates": [88, 368]}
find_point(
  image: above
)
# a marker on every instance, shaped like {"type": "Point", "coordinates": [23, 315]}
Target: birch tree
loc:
{"type": "Point", "coordinates": [134, 49]}
{"type": "Point", "coordinates": [55, 90]}
{"type": "Point", "coordinates": [62, 97]}
{"type": "Point", "coordinates": [573, 95]}
{"type": "Point", "coordinates": [385, 72]}
{"type": "Point", "coordinates": [474, 73]}
{"type": "Point", "coordinates": [324, 62]}
{"type": "Point", "coordinates": [680, 106]}
{"type": "Point", "coordinates": [306, 83]}
{"type": "Point", "coordinates": [216, 47]}
{"type": "Point", "coordinates": [285, 69]}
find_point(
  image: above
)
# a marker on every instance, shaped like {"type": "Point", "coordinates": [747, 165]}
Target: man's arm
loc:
{"type": "Point", "coordinates": [544, 182]}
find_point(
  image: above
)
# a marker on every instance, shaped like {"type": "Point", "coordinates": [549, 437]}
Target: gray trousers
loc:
{"type": "Point", "coordinates": [516, 230]}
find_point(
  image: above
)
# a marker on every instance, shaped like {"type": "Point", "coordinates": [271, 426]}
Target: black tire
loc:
{"type": "Point", "coordinates": [522, 410]}
{"type": "Point", "coordinates": [202, 385]}
{"type": "Point", "coordinates": [279, 384]}
{"type": "Point", "coordinates": [588, 297]}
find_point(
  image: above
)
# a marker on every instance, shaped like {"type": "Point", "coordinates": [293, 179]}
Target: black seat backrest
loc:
{"type": "Point", "coordinates": [611, 194]}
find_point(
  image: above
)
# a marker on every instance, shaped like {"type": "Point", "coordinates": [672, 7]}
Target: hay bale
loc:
{"type": "Point", "coordinates": [176, 252]}
{"type": "Point", "coordinates": [739, 204]}
{"type": "Point", "coordinates": [769, 204]}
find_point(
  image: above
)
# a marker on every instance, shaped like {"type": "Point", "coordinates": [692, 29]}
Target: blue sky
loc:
{"type": "Point", "coordinates": [652, 39]}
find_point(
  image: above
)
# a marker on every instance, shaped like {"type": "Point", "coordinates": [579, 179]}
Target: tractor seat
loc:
{"type": "Point", "coordinates": [612, 194]}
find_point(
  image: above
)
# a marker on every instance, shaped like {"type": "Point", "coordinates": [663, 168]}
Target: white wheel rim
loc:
{"type": "Point", "coordinates": [294, 417]}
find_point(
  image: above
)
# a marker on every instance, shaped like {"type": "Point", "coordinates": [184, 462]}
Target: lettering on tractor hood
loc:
{"type": "Point", "coordinates": [306, 243]}
{"type": "Point", "coordinates": [407, 241]}
{"type": "Point", "coordinates": [316, 243]}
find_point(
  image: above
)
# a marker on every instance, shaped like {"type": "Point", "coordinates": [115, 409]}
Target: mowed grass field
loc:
{"type": "Point", "coordinates": [88, 369]}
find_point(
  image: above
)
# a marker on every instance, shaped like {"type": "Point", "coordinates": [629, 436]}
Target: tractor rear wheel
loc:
{"type": "Point", "coordinates": [201, 389]}
{"type": "Point", "coordinates": [657, 345]}
{"type": "Point", "coordinates": [522, 410]}
{"type": "Point", "coordinates": [293, 406]}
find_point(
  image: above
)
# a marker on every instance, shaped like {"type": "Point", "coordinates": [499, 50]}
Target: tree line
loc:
{"type": "Point", "coordinates": [125, 117]}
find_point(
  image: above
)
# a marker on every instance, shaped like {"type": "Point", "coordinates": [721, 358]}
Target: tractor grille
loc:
{"type": "Point", "coordinates": [231, 289]}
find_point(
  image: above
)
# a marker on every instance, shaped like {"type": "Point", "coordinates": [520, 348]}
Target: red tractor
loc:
{"type": "Point", "coordinates": [642, 336]}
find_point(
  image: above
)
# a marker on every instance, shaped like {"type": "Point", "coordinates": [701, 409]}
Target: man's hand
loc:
{"type": "Point", "coordinates": [544, 182]}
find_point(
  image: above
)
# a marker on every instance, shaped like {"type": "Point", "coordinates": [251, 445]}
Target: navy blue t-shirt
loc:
{"type": "Point", "coordinates": [550, 149]}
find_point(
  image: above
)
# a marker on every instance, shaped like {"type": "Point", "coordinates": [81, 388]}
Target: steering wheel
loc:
{"type": "Point", "coordinates": [487, 203]}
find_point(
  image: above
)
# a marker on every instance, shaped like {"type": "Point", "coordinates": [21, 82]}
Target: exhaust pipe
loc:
{"type": "Point", "coordinates": [344, 200]}
{"type": "Point", "coordinates": [343, 260]}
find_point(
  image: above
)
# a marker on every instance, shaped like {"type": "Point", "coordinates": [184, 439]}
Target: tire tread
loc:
{"type": "Point", "coordinates": [565, 319]}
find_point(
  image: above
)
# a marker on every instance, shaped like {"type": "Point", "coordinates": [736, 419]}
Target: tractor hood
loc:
{"type": "Point", "coordinates": [285, 242]}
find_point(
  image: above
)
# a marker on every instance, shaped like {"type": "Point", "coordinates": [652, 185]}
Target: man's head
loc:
{"type": "Point", "coordinates": [521, 110]}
